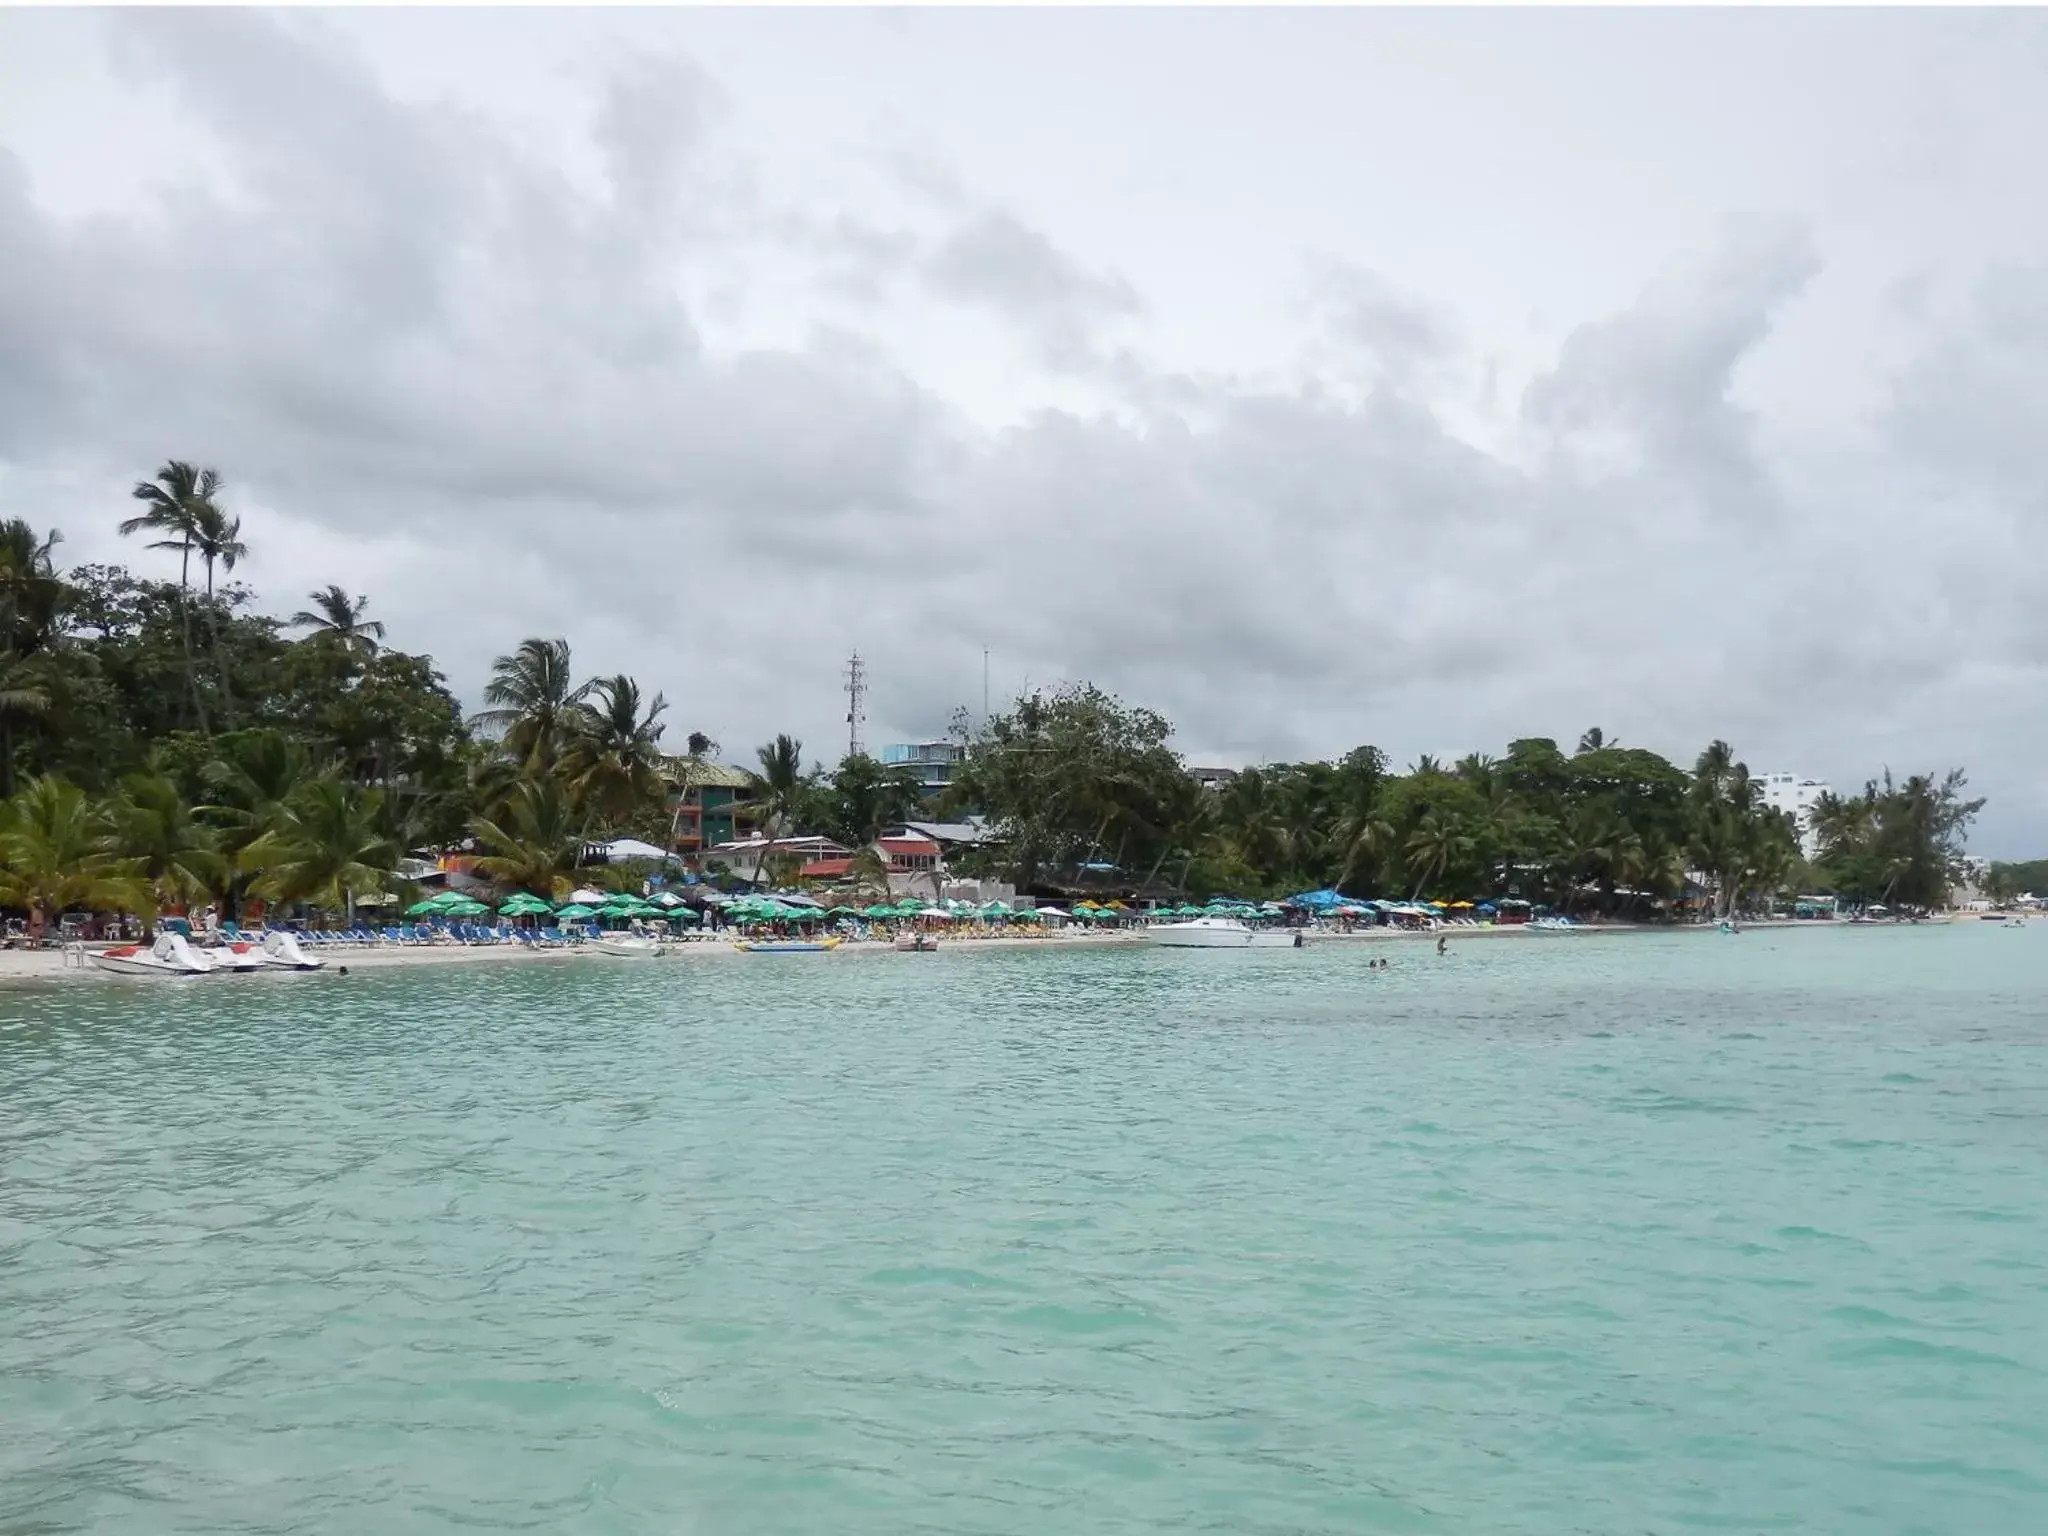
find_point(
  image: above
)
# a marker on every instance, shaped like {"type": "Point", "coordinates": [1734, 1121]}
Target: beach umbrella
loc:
{"type": "Point", "coordinates": [422, 908]}
{"type": "Point", "coordinates": [1049, 912]}
{"type": "Point", "coordinates": [879, 909]}
{"type": "Point", "coordinates": [995, 909]}
{"type": "Point", "coordinates": [684, 915]}
{"type": "Point", "coordinates": [521, 904]}
{"type": "Point", "coordinates": [464, 908]}
{"type": "Point", "coordinates": [575, 912]}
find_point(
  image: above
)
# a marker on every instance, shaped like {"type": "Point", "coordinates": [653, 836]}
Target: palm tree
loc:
{"type": "Point", "coordinates": [531, 698]}
{"type": "Point", "coordinates": [1596, 740]}
{"type": "Point", "coordinates": [328, 848]}
{"type": "Point", "coordinates": [181, 505]}
{"type": "Point", "coordinates": [536, 844]}
{"type": "Point", "coordinates": [1435, 844]}
{"type": "Point", "coordinates": [24, 697]}
{"type": "Point", "coordinates": [869, 871]}
{"type": "Point", "coordinates": [57, 851]}
{"type": "Point", "coordinates": [778, 791]}
{"type": "Point", "coordinates": [613, 752]}
{"type": "Point", "coordinates": [176, 855]}
{"type": "Point", "coordinates": [218, 539]}
{"type": "Point", "coordinates": [1365, 839]}
{"type": "Point", "coordinates": [337, 619]}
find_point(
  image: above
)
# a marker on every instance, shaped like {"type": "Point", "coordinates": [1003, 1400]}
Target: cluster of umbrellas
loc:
{"type": "Point", "coordinates": [620, 905]}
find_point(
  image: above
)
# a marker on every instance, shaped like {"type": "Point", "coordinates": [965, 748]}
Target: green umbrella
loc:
{"type": "Point", "coordinates": [421, 908]}
{"type": "Point", "coordinates": [995, 909]}
{"type": "Point", "coordinates": [879, 909]}
{"type": "Point", "coordinates": [910, 904]}
{"type": "Point", "coordinates": [576, 912]}
{"type": "Point", "coordinates": [523, 905]}
{"type": "Point", "coordinates": [464, 908]}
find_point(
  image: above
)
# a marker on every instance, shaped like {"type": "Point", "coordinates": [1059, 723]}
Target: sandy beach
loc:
{"type": "Point", "coordinates": [21, 965]}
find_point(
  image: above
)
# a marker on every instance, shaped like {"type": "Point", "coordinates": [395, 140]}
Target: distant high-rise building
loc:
{"type": "Point", "coordinates": [1790, 793]}
{"type": "Point", "coordinates": [932, 761]}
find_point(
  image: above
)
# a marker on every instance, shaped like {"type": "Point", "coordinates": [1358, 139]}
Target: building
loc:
{"type": "Point", "coordinates": [1212, 778]}
{"type": "Point", "coordinates": [705, 804]}
{"type": "Point", "coordinates": [932, 761]}
{"type": "Point", "coordinates": [1796, 797]}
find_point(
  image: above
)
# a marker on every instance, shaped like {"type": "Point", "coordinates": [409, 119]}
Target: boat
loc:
{"type": "Point", "coordinates": [626, 946]}
{"type": "Point", "coordinates": [784, 946]}
{"type": "Point", "coordinates": [284, 951]}
{"type": "Point", "coordinates": [239, 957]}
{"type": "Point", "coordinates": [918, 943]}
{"type": "Point", "coordinates": [170, 955]}
{"type": "Point", "coordinates": [1219, 933]}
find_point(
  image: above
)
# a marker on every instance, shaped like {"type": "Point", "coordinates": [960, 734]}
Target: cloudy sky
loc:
{"type": "Point", "coordinates": [1421, 378]}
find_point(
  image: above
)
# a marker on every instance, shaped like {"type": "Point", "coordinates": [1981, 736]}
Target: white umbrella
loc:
{"type": "Point", "coordinates": [1051, 912]}
{"type": "Point", "coordinates": [586, 897]}
{"type": "Point", "coordinates": [667, 899]}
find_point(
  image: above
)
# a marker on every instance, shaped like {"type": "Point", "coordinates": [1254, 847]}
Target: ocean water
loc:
{"type": "Point", "coordinates": [1607, 1235]}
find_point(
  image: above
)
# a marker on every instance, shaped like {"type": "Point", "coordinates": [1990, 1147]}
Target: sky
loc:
{"type": "Point", "coordinates": [1422, 378]}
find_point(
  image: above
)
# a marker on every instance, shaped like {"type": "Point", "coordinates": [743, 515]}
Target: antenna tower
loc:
{"type": "Point", "coordinates": [856, 703]}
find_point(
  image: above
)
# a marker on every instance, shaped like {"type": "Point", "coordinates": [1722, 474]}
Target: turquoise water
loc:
{"type": "Point", "coordinates": [1575, 1235]}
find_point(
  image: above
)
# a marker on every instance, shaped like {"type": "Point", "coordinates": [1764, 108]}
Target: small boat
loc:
{"type": "Point", "coordinates": [284, 951]}
{"type": "Point", "coordinates": [1219, 933]}
{"type": "Point", "coordinates": [239, 957]}
{"type": "Point", "coordinates": [784, 946]}
{"type": "Point", "coordinates": [918, 943]}
{"type": "Point", "coordinates": [626, 946]}
{"type": "Point", "coordinates": [170, 955]}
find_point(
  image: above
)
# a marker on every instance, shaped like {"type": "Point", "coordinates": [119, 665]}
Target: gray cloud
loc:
{"type": "Point", "coordinates": [995, 260]}
{"type": "Point", "coordinates": [443, 369]}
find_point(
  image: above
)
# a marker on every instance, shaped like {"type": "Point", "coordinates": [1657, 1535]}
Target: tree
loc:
{"type": "Point", "coordinates": [31, 596]}
{"type": "Point", "coordinates": [537, 844]}
{"type": "Point", "coordinates": [863, 796]}
{"type": "Point", "coordinates": [327, 849]}
{"type": "Point", "coordinates": [613, 752]}
{"type": "Point", "coordinates": [779, 792]}
{"type": "Point", "coordinates": [181, 508]}
{"type": "Point", "coordinates": [175, 855]}
{"type": "Point", "coordinates": [57, 851]}
{"type": "Point", "coordinates": [531, 695]}
{"type": "Point", "coordinates": [1434, 846]}
{"type": "Point", "coordinates": [336, 619]}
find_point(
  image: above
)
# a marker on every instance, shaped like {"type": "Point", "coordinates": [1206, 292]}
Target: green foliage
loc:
{"type": "Point", "coordinates": [1897, 843]}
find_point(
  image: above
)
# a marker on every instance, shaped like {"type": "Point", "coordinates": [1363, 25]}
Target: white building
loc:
{"type": "Point", "coordinates": [1790, 793]}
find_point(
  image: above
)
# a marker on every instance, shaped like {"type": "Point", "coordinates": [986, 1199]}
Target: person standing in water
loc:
{"type": "Point", "coordinates": [1441, 943]}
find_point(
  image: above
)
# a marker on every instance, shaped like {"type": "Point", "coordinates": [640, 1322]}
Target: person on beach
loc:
{"type": "Point", "coordinates": [1441, 943]}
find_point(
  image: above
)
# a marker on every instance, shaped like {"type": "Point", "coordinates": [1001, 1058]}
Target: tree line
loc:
{"type": "Point", "coordinates": [1076, 782]}
{"type": "Point", "coordinates": [164, 743]}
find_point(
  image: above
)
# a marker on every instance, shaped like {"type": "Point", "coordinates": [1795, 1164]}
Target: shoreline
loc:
{"type": "Point", "coordinates": [38, 965]}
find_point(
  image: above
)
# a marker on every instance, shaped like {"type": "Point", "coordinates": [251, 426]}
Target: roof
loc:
{"type": "Point", "coordinates": [972, 830]}
{"type": "Point", "coordinates": [697, 773]}
{"type": "Point", "coordinates": [825, 869]}
{"type": "Point", "coordinates": [906, 845]}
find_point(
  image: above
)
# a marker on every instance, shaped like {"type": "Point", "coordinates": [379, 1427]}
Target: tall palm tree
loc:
{"type": "Point", "coordinates": [176, 855]}
{"type": "Point", "coordinates": [180, 502]}
{"type": "Point", "coordinates": [1596, 740]}
{"type": "Point", "coordinates": [218, 540]}
{"type": "Point", "coordinates": [1436, 843]}
{"type": "Point", "coordinates": [337, 619]}
{"type": "Point", "coordinates": [613, 752]}
{"type": "Point", "coordinates": [328, 848]}
{"type": "Point", "coordinates": [531, 695]}
{"type": "Point", "coordinates": [536, 844]}
{"type": "Point", "coordinates": [778, 791]}
{"type": "Point", "coordinates": [57, 851]}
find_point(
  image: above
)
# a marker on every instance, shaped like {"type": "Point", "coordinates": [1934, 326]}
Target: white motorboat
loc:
{"type": "Point", "coordinates": [1220, 933]}
{"type": "Point", "coordinates": [170, 955]}
{"type": "Point", "coordinates": [283, 949]}
{"type": "Point", "coordinates": [627, 946]}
